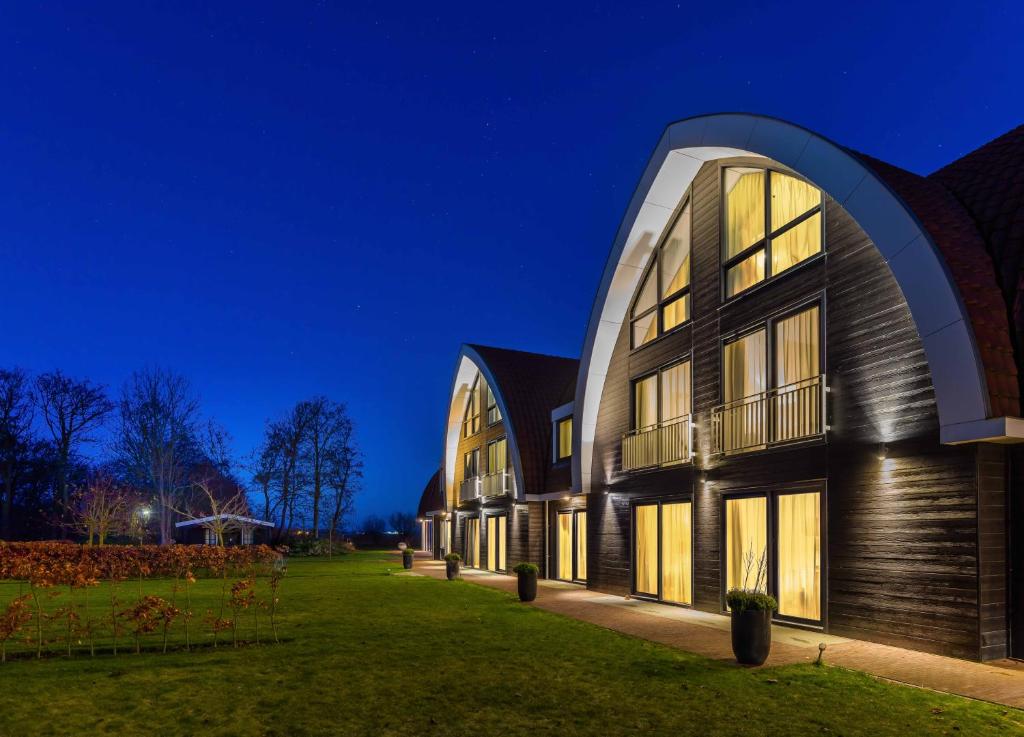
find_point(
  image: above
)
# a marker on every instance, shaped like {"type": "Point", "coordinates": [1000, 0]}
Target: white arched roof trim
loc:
{"type": "Point", "coordinates": [466, 368]}
{"type": "Point", "coordinates": [957, 373]}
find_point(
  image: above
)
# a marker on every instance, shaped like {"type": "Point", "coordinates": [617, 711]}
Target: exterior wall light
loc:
{"type": "Point", "coordinates": [883, 451]}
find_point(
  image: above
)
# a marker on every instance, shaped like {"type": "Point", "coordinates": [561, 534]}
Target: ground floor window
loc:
{"type": "Point", "coordinates": [497, 536]}
{"type": "Point", "coordinates": [427, 536]}
{"type": "Point", "coordinates": [773, 544]}
{"type": "Point", "coordinates": [472, 552]}
{"type": "Point", "coordinates": [663, 550]}
{"type": "Point", "coordinates": [572, 545]}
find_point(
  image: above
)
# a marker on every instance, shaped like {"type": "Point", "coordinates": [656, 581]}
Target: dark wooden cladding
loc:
{"type": "Point", "coordinates": [916, 551]}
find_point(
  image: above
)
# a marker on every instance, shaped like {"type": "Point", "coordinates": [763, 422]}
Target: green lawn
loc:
{"type": "Point", "coordinates": [365, 652]}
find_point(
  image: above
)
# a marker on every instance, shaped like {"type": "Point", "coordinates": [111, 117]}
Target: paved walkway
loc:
{"type": "Point", "coordinates": [1001, 682]}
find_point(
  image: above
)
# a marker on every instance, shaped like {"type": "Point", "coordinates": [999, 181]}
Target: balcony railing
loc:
{"type": "Point", "coordinates": [470, 489]}
{"type": "Point", "coordinates": [664, 444]}
{"type": "Point", "coordinates": [782, 415]}
{"type": "Point", "coordinates": [498, 483]}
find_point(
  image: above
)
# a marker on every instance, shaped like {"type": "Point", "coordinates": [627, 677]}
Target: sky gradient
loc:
{"type": "Point", "coordinates": [285, 200]}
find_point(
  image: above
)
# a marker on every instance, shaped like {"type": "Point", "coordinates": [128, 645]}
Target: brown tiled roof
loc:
{"type": "Point", "coordinates": [532, 385]}
{"type": "Point", "coordinates": [989, 183]}
{"type": "Point", "coordinates": [432, 498]}
{"type": "Point", "coordinates": [968, 259]}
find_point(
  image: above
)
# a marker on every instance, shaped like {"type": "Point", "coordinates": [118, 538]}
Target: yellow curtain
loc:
{"type": "Point", "coordinates": [565, 438]}
{"type": "Point", "coordinates": [799, 555]}
{"type": "Point", "coordinates": [473, 542]}
{"type": "Point", "coordinates": [496, 456]}
{"type": "Point", "coordinates": [646, 402]}
{"type": "Point", "coordinates": [565, 546]}
{"type": "Point", "coordinates": [676, 555]}
{"type": "Point", "coordinates": [745, 274]}
{"type": "Point", "coordinates": [646, 555]}
{"type": "Point", "coordinates": [796, 244]}
{"type": "Point", "coordinates": [791, 198]}
{"type": "Point", "coordinates": [581, 546]}
{"type": "Point", "coordinates": [746, 534]}
{"type": "Point", "coordinates": [675, 391]}
{"type": "Point", "coordinates": [492, 543]}
{"type": "Point", "coordinates": [676, 312]}
{"type": "Point", "coordinates": [675, 256]}
{"type": "Point", "coordinates": [502, 539]}
{"type": "Point", "coordinates": [745, 376]}
{"type": "Point", "coordinates": [797, 406]}
{"type": "Point", "coordinates": [744, 208]}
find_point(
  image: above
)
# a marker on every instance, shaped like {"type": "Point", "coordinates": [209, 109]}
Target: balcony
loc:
{"type": "Point", "coordinates": [498, 483]}
{"type": "Point", "coordinates": [783, 415]}
{"type": "Point", "coordinates": [665, 444]}
{"type": "Point", "coordinates": [469, 489]}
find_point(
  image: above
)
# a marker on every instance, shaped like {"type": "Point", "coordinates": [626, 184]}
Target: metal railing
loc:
{"type": "Point", "coordinates": [498, 483]}
{"type": "Point", "coordinates": [787, 413]}
{"type": "Point", "coordinates": [664, 444]}
{"type": "Point", "coordinates": [470, 489]}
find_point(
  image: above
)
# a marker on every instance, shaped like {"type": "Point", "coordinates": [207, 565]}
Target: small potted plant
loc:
{"type": "Point", "coordinates": [752, 611]}
{"type": "Point", "coordinates": [407, 555]}
{"type": "Point", "coordinates": [527, 574]}
{"type": "Point", "coordinates": [451, 565]}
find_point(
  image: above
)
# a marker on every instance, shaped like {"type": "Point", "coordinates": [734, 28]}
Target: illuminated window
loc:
{"type": "Point", "coordinates": [472, 552]}
{"type": "Point", "coordinates": [565, 546]}
{"type": "Point", "coordinates": [471, 422]}
{"type": "Point", "coordinates": [564, 435]}
{"type": "Point", "coordinates": [663, 551]}
{"type": "Point", "coordinates": [746, 534]}
{"type": "Point", "coordinates": [493, 413]}
{"type": "Point", "coordinates": [572, 545]}
{"type": "Point", "coordinates": [471, 464]}
{"type": "Point", "coordinates": [662, 397]}
{"type": "Point", "coordinates": [772, 222]}
{"type": "Point", "coordinates": [663, 301]}
{"type": "Point", "coordinates": [497, 456]}
{"type": "Point", "coordinates": [497, 535]}
{"type": "Point", "coordinates": [580, 531]}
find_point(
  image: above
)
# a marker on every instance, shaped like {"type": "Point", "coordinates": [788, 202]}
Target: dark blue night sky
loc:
{"type": "Point", "coordinates": [291, 199]}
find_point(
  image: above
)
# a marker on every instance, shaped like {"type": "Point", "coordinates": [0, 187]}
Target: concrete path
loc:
{"type": "Point", "coordinates": [1000, 682]}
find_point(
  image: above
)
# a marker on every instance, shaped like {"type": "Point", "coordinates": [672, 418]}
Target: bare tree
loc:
{"type": "Point", "coordinates": [403, 523]}
{"type": "Point", "coordinates": [157, 437]}
{"type": "Point", "coordinates": [328, 434]}
{"type": "Point", "coordinates": [219, 514]}
{"type": "Point", "coordinates": [374, 527]}
{"type": "Point", "coordinates": [287, 437]}
{"type": "Point", "coordinates": [72, 410]}
{"type": "Point", "coordinates": [344, 471]}
{"type": "Point", "coordinates": [15, 437]}
{"type": "Point", "coordinates": [102, 508]}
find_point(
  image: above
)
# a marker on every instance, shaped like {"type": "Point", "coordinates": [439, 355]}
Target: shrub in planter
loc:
{"type": "Point", "coordinates": [751, 625]}
{"type": "Point", "coordinates": [527, 573]}
{"type": "Point", "coordinates": [451, 565]}
{"type": "Point", "coordinates": [407, 556]}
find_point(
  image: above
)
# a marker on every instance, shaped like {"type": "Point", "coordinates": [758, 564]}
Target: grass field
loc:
{"type": "Point", "coordinates": [364, 652]}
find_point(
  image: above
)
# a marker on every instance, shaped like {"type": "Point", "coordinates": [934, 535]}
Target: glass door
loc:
{"type": "Point", "coordinates": [497, 534]}
{"type": "Point", "coordinates": [565, 546]}
{"type": "Point", "coordinates": [580, 537]}
{"type": "Point", "coordinates": [472, 552]}
{"type": "Point", "coordinates": [798, 560]}
{"type": "Point", "coordinates": [663, 551]}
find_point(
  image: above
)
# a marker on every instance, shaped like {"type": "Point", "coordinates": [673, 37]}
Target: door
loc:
{"type": "Point", "coordinates": [472, 552]}
{"type": "Point", "coordinates": [497, 536]}
{"type": "Point", "coordinates": [580, 545]}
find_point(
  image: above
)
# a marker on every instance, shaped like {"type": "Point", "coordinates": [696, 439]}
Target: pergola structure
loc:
{"type": "Point", "coordinates": [245, 526]}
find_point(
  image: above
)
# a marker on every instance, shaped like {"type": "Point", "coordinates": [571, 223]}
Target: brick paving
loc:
{"type": "Point", "coordinates": [1000, 682]}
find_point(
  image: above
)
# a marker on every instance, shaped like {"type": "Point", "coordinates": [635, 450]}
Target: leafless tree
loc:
{"type": "Point", "coordinates": [328, 438]}
{"type": "Point", "coordinates": [156, 438]}
{"type": "Point", "coordinates": [403, 523]}
{"type": "Point", "coordinates": [344, 471]}
{"type": "Point", "coordinates": [219, 512]}
{"type": "Point", "coordinates": [265, 466]}
{"type": "Point", "coordinates": [15, 437]}
{"type": "Point", "coordinates": [72, 410]}
{"type": "Point", "coordinates": [287, 437]}
{"type": "Point", "coordinates": [102, 508]}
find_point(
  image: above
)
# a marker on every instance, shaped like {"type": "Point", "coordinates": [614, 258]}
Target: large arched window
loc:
{"type": "Point", "coordinates": [471, 420]}
{"type": "Point", "coordinates": [663, 302]}
{"type": "Point", "coordinates": [772, 221]}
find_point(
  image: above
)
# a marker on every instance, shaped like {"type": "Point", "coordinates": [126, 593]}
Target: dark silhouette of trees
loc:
{"type": "Point", "coordinates": [404, 524]}
{"type": "Point", "coordinates": [16, 440]}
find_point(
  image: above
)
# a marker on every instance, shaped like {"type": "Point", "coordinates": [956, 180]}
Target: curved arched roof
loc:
{"type": "Point", "coordinates": [933, 250]}
{"type": "Point", "coordinates": [526, 387]}
{"type": "Point", "coordinates": [432, 498]}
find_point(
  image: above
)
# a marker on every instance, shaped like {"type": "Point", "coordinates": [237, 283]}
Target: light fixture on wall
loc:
{"type": "Point", "coordinates": [883, 451]}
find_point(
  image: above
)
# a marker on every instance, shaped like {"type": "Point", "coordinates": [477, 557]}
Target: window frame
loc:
{"type": "Point", "coordinates": [771, 495]}
{"type": "Point", "coordinates": [559, 458]}
{"type": "Point", "coordinates": [490, 397]}
{"type": "Point", "coordinates": [574, 524]}
{"type": "Point", "coordinates": [659, 502]}
{"type": "Point", "coordinates": [657, 372]}
{"type": "Point", "coordinates": [655, 264]}
{"type": "Point", "coordinates": [487, 453]}
{"type": "Point", "coordinates": [472, 403]}
{"type": "Point", "coordinates": [764, 243]}
{"type": "Point", "coordinates": [475, 453]}
{"type": "Point", "coordinates": [497, 516]}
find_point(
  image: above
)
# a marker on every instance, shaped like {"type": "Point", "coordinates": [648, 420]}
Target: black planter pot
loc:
{"type": "Point", "coordinates": [406, 561]}
{"type": "Point", "coordinates": [451, 568]}
{"type": "Point", "coordinates": [751, 636]}
{"type": "Point", "coordinates": [527, 586]}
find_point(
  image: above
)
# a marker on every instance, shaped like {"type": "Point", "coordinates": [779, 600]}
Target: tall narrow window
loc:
{"type": "Point", "coordinates": [675, 391]}
{"type": "Point", "coordinates": [745, 379]}
{"type": "Point", "coordinates": [471, 422]}
{"type": "Point", "coordinates": [580, 532]}
{"type": "Point", "coordinates": [497, 456]}
{"type": "Point", "coordinates": [472, 551]}
{"type": "Point", "coordinates": [663, 301]}
{"type": "Point", "coordinates": [797, 405]}
{"type": "Point", "coordinates": [676, 555]}
{"type": "Point", "coordinates": [772, 222]}
{"type": "Point", "coordinates": [645, 554]}
{"type": "Point", "coordinates": [492, 543]}
{"type": "Point", "coordinates": [502, 540]}
{"type": "Point", "coordinates": [472, 464]}
{"type": "Point", "coordinates": [746, 546]}
{"type": "Point", "coordinates": [799, 555]}
{"type": "Point", "coordinates": [493, 413]}
{"type": "Point", "coordinates": [645, 402]}
{"type": "Point", "coordinates": [565, 546]}
{"type": "Point", "coordinates": [564, 439]}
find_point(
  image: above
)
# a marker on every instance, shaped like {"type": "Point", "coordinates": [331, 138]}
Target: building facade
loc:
{"type": "Point", "coordinates": [800, 376]}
